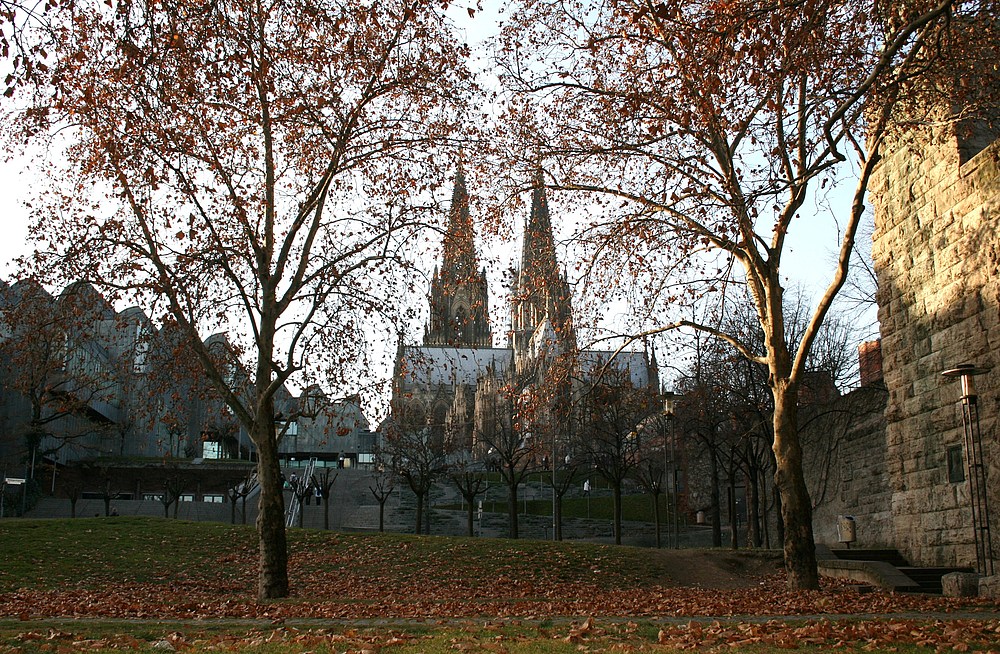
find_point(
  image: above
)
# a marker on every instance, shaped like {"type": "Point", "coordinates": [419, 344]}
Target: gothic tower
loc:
{"type": "Point", "coordinates": [540, 301]}
{"type": "Point", "coordinates": [459, 302]}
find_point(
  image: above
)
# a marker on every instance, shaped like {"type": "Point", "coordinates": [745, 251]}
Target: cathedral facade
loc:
{"type": "Point", "coordinates": [458, 384]}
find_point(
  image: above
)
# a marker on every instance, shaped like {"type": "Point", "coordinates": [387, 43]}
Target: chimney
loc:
{"type": "Point", "coordinates": [870, 362]}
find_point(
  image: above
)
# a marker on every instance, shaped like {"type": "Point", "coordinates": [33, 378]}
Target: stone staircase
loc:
{"type": "Point", "coordinates": [885, 568]}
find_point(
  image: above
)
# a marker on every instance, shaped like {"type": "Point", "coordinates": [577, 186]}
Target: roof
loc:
{"type": "Point", "coordinates": [447, 364]}
{"type": "Point", "coordinates": [635, 363]}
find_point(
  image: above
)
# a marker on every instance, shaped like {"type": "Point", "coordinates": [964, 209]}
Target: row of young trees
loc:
{"type": "Point", "coordinates": [609, 427]}
{"type": "Point", "coordinates": [265, 168]}
{"type": "Point", "coordinates": [715, 444]}
{"type": "Point", "coordinates": [727, 418]}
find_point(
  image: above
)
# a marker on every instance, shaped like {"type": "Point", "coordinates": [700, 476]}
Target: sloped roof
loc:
{"type": "Point", "coordinates": [635, 363]}
{"type": "Point", "coordinates": [446, 364]}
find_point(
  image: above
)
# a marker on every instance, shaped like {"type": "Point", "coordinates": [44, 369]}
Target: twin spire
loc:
{"type": "Point", "coordinates": [459, 295]}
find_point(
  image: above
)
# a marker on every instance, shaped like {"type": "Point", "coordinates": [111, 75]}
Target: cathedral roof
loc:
{"type": "Point", "coordinates": [635, 363]}
{"type": "Point", "coordinates": [446, 365]}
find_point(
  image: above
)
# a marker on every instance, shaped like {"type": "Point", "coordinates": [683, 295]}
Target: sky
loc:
{"type": "Point", "coordinates": [808, 262]}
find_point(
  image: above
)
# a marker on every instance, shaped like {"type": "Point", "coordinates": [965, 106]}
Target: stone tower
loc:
{"type": "Point", "coordinates": [540, 302]}
{"type": "Point", "coordinates": [936, 195]}
{"type": "Point", "coordinates": [459, 300]}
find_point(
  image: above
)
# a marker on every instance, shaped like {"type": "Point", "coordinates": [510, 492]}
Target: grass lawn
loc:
{"type": "Point", "coordinates": [102, 584]}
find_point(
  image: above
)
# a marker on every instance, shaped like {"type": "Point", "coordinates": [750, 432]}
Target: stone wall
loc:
{"type": "Point", "coordinates": [845, 467]}
{"type": "Point", "coordinates": [937, 256]}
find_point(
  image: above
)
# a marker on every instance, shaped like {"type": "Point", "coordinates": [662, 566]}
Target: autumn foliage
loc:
{"type": "Point", "coordinates": [483, 593]}
{"type": "Point", "coordinates": [258, 170]}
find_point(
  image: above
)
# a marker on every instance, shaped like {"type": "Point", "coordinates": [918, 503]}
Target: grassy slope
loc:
{"type": "Point", "coordinates": [173, 571]}
{"type": "Point", "coordinates": [89, 552]}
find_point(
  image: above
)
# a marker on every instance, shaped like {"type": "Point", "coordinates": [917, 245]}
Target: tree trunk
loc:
{"type": "Point", "coordinates": [779, 521]}
{"type": "Point", "coordinates": [753, 524]}
{"type": "Point", "coordinates": [427, 509]}
{"type": "Point", "coordinates": [72, 506]}
{"type": "Point", "coordinates": [471, 517]}
{"type": "Point", "coordinates": [272, 582]}
{"type": "Point", "coordinates": [656, 517]}
{"type": "Point", "coordinates": [381, 516]}
{"type": "Point", "coordinates": [734, 527]}
{"type": "Point", "coordinates": [512, 509]}
{"type": "Point", "coordinates": [616, 493]}
{"type": "Point", "coordinates": [326, 511]}
{"type": "Point", "coordinates": [716, 499]}
{"type": "Point", "coordinates": [557, 530]}
{"type": "Point", "coordinates": [796, 510]}
{"type": "Point", "coordinates": [420, 512]}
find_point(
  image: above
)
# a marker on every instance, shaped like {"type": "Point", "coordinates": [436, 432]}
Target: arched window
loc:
{"type": "Point", "coordinates": [461, 317]}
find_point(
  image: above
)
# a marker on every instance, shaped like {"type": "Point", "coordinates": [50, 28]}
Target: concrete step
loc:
{"type": "Point", "coordinates": [929, 579]}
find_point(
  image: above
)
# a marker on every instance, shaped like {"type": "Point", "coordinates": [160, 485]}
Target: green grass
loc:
{"type": "Point", "coordinates": [511, 637]}
{"type": "Point", "coordinates": [174, 562]}
{"type": "Point", "coordinates": [91, 552]}
{"type": "Point", "coordinates": [53, 553]}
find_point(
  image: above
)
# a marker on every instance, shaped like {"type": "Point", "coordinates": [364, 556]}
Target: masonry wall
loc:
{"type": "Point", "coordinates": [937, 256]}
{"type": "Point", "coordinates": [845, 467]}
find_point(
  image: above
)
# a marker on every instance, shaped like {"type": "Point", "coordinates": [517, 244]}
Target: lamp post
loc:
{"type": "Point", "coordinates": [974, 462]}
{"type": "Point", "coordinates": [669, 408]}
{"type": "Point", "coordinates": [555, 528]}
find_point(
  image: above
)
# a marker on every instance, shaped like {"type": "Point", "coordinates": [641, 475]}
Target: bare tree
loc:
{"type": "Point", "coordinates": [240, 491]}
{"type": "Point", "coordinates": [323, 483]}
{"type": "Point", "coordinates": [265, 169]}
{"type": "Point", "coordinates": [701, 130]}
{"type": "Point", "coordinates": [418, 456]}
{"type": "Point", "coordinates": [504, 415]}
{"type": "Point", "coordinates": [471, 482]}
{"type": "Point", "coordinates": [381, 489]}
{"type": "Point", "coordinates": [611, 434]}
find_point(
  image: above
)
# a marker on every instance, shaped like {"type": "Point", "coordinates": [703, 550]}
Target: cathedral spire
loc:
{"type": "Point", "coordinates": [459, 295]}
{"type": "Point", "coordinates": [538, 252]}
{"type": "Point", "coordinates": [541, 295]}
{"type": "Point", "coordinates": [459, 256]}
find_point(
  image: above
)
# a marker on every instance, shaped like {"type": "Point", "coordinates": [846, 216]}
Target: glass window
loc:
{"type": "Point", "coordinates": [211, 450]}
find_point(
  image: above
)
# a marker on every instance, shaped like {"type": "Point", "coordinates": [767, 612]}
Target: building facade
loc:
{"type": "Point", "coordinates": [455, 383]}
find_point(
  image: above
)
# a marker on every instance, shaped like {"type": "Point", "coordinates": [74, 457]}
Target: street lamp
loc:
{"type": "Point", "coordinates": [974, 462]}
{"type": "Point", "coordinates": [669, 408]}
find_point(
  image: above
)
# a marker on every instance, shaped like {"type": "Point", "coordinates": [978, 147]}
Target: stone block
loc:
{"type": "Point", "coordinates": [960, 584]}
{"type": "Point", "coordinates": [989, 587]}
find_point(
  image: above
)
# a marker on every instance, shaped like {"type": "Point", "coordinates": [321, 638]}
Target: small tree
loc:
{"type": "Point", "coordinates": [502, 430]}
{"type": "Point", "coordinates": [381, 489]}
{"type": "Point", "coordinates": [565, 476]}
{"type": "Point", "coordinates": [471, 483]}
{"type": "Point", "coordinates": [418, 457]}
{"type": "Point", "coordinates": [611, 433]}
{"type": "Point", "coordinates": [323, 483]}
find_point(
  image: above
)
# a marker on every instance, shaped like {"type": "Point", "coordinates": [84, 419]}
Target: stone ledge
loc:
{"type": "Point", "coordinates": [875, 573]}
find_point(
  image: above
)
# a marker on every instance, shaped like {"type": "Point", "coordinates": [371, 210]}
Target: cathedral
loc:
{"type": "Point", "coordinates": [450, 383]}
